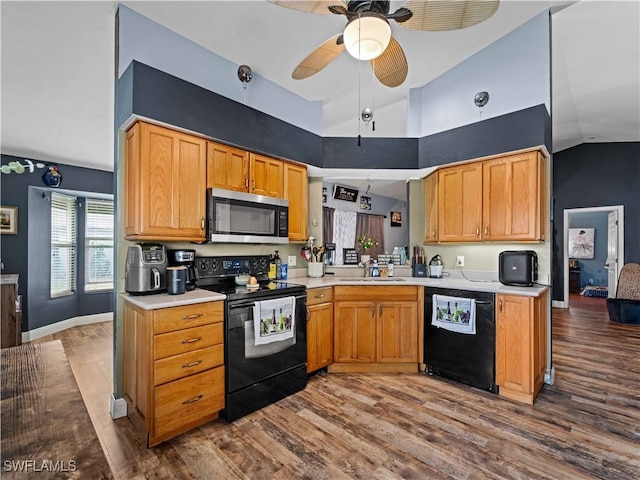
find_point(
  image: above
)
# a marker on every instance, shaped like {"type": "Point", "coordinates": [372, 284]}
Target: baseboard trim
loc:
{"type": "Point", "coordinates": [559, 304]}
{"type": "Point", "coordinates": [117, 407]}
{"type": "Point", "coordinates": [65, 324]}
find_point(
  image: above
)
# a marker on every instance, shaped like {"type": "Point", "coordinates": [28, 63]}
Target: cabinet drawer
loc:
{"type": "Point", "coordinates": [319, 295]}
{"type": "Point", "coordinates": [185, 364]}
{"type": "Point", "coordinates": [187, 400]}
{"type": "Point", "coordinates": [174, 343]}
{"type": "Point", "coordinates": [187, 316]}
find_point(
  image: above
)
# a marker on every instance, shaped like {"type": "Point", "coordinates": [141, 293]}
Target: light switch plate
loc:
{"type": "Point", "coordinates": [291, 260]}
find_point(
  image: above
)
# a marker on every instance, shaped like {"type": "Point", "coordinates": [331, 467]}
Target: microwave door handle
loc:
{"type": "Point", "coordinates": [155, 278]}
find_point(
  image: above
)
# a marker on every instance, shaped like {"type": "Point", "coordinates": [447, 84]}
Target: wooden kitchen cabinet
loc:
{"type": "Point", "coordinates": [499, 199]}
{"type": "Point", "coordinates": [227, 167]}
{"type": "Point", "coordinates": [319, 328]}
{"type": "Point", "coordinates": [376, 328]}
{"type": "Point", "coordinates": [397, 331]}
{"type": "Point", "coordinates": [165, 181]}
{"type": "Point", "coordinates": [266, 175]}
{"type": "Point", "coordinates": [431, 208]}
{"type": "Point", "coordinates": [296, 186]}
{"type": "Point", "coordinates": [11, 326]}
{"type": "Point", "coordinates": [521, 342]}
{"type": "Point", "coordinates": [513, 203]}
{"type": "Point", "coordinates": [460, 203]}
{"type": "Point", "coordinates": [174, 368]}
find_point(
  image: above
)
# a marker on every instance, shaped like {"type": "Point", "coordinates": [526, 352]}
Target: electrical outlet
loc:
{"type": "Point", "coordinates": [459, 261]}
{"type": "Point", "coordinates": [291, 260]}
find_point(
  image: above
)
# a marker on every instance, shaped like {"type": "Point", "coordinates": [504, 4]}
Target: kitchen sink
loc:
{"type": "Point", "coordinates": [371, 279]}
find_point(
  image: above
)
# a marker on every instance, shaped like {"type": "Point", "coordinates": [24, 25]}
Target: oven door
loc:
{"type": "Point", "coordinates": [248, 363]}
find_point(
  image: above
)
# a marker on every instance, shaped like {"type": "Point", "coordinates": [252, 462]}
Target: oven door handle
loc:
{"type": "Point", "coordinates": [241, 305]}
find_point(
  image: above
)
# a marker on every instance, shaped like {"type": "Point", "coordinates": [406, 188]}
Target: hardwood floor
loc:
{"type": "Point", "coordinates": [375, 426]}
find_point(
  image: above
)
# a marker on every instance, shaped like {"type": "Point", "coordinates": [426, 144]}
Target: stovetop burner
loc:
{"type": "Point", "coordinates": [217, 274]}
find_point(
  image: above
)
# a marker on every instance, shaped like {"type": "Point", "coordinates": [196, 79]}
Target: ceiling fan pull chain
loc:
{"type": "Point", "coordinates": [359, 82]}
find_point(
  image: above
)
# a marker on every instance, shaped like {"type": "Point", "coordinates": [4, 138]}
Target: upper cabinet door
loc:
{"type": "Point", "coordinates": [266, 176]}
{"type": "Point", "coordinates": [227, 167]}
{"type": "Point", "coordinates": [513, 202]}
{"type": "Point", "coordinates": [460, 203]}
{"type": "Point", "coordinates": [296, 191]}
{"type": "Point", "coordinates": [165, 184]}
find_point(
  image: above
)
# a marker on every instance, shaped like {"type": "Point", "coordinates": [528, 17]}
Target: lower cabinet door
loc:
{"type": "Point", "coordinates": [397, 334]}
{"type": "Point", "coordinates": [355, 332]}
{"type": "Point", "coordinates": [187, 400]}
{"type": "Point", "coordinates": [319, 336]}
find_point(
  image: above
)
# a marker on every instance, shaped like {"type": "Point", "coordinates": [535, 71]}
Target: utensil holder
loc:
{"type": "Point", "coordinates": [315, 269]}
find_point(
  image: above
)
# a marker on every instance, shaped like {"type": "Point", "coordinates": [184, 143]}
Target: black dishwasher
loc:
{"type": "Point", "coordinates": [466, 358]}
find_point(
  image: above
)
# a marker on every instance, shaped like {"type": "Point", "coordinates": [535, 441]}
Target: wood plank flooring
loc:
{"type": "Point", "coordinates": [410, 426]}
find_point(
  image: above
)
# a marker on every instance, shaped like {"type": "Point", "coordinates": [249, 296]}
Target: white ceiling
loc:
{"type": "Point", "coordinates": [57, 68]}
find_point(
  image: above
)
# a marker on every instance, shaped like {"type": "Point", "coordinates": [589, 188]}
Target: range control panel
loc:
{"type": "Point", "coordinates": [223, 267]}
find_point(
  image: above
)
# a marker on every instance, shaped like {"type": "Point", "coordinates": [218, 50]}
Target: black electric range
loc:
{"type": "Point", "coordinates": [257, 373]}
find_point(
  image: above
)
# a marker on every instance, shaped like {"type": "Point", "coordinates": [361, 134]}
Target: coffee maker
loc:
{"type": "Point", "coordinates": [187, 258]}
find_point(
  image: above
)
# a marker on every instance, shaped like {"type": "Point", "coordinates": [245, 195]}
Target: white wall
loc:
{"type": "Point", "coordinates": [150, 43]}
{"type": "Point", "coordinates": [515, 70]}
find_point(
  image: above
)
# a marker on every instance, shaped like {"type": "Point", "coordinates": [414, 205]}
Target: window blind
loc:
{"type": "Point", "coordinates": [98, 245]}
{"type": "Point", "coordinates": [63, 245]}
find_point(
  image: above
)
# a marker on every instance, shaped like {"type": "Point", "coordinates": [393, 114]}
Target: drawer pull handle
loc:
{"type": "Point", "coordinates": [321, 295]}
{"type": "Point", "coordinates": [191, 317]}
{"type": "Point", "coordinates": [192, 340]}
{"type": "Point", "coordinates": [192, 364]}
{"type": "Point", "coordinates": [193, 400]}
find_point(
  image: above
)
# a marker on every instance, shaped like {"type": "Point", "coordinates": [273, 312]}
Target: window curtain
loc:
{"type": "Point", "coordinates": [327, 224]}
{"type": "Point", "coordinates": [372, 226]}
{"type": "Point", "coordinates": [344, 232]}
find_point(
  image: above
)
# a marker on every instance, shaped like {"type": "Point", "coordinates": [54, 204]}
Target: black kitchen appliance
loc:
{"type": "Point", "coordinates": [518, 267]}
{"type": "Point", "coordinates": [466, 358]}
{"type": "Point", "coordinates": [145, 269]}
{"type": "Point", "coordinates": [256, 375]}
{"type": "Point", "coordinates": [186, 258]}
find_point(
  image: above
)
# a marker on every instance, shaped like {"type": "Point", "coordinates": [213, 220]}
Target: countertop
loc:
{"type": "Point", "coordinates": [447, 282]}
{"type": "Point", "coordinates": [9, 278]}
{"type": "Point", "coordinates": [164, 300]}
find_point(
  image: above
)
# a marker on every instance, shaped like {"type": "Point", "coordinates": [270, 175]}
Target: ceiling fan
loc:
{"type": "Point", "coordinates": [367, 35]}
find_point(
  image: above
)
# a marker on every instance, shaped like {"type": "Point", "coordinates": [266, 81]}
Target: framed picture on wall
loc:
{"type": "Point", "coordinates": [396, 219]}
{"type": "Point", "coordinates": [581, 242]}
{"type": "Point", "coordinates": [8, 220]}
{"type": "Point", "coordinates": [365, 203]}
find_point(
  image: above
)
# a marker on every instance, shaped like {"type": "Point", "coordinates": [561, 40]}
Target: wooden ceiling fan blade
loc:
{"type": "Point", "coordinates": [319, 58]}
{"type": "Point", "coordinates": [391, 67]}
{"type": "Point", "coordinates": [311, 7]}
{"type": "Point", "coordinates": [440, 15]}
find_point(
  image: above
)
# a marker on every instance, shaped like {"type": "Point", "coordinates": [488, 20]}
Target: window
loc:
{"type": "Point", "coordinates": [63, 245]}
{"type": "Point", "coordinates": [98, 237]}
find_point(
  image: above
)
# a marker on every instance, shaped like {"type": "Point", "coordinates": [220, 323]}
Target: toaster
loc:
{"type": "Point", "coordinates": [518, 267]}
{"type": "Point", "coordinates": [146, 269]}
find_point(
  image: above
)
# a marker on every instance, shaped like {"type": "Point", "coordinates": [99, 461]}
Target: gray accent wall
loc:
{"type": "Point", "coordinates": [28, 253]}
{"type": "Point", "coordinates": [596, 175]}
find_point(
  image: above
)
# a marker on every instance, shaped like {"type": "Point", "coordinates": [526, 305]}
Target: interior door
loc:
{"type": "Point", "coordinates": [612, 253]}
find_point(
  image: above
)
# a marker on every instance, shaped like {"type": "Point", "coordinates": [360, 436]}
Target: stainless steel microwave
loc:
{"type": "Point", "coordinates": [238, 217]}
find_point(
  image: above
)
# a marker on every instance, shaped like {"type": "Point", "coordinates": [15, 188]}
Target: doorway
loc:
{"type": "Point", "coordinates": [591, 271]}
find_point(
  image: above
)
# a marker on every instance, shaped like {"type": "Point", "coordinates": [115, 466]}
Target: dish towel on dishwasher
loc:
{"type": "Point", "coordinates": [454, 313]}
{"type": "Point", "coordinates": [274, 320]}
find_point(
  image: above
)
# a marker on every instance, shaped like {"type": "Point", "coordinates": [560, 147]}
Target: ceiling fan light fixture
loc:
{"type": "Point", "coordinates": [367, 36]}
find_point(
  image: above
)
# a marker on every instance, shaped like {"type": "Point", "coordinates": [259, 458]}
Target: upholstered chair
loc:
{"type": "Point", "coordinates": [625, 308]}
